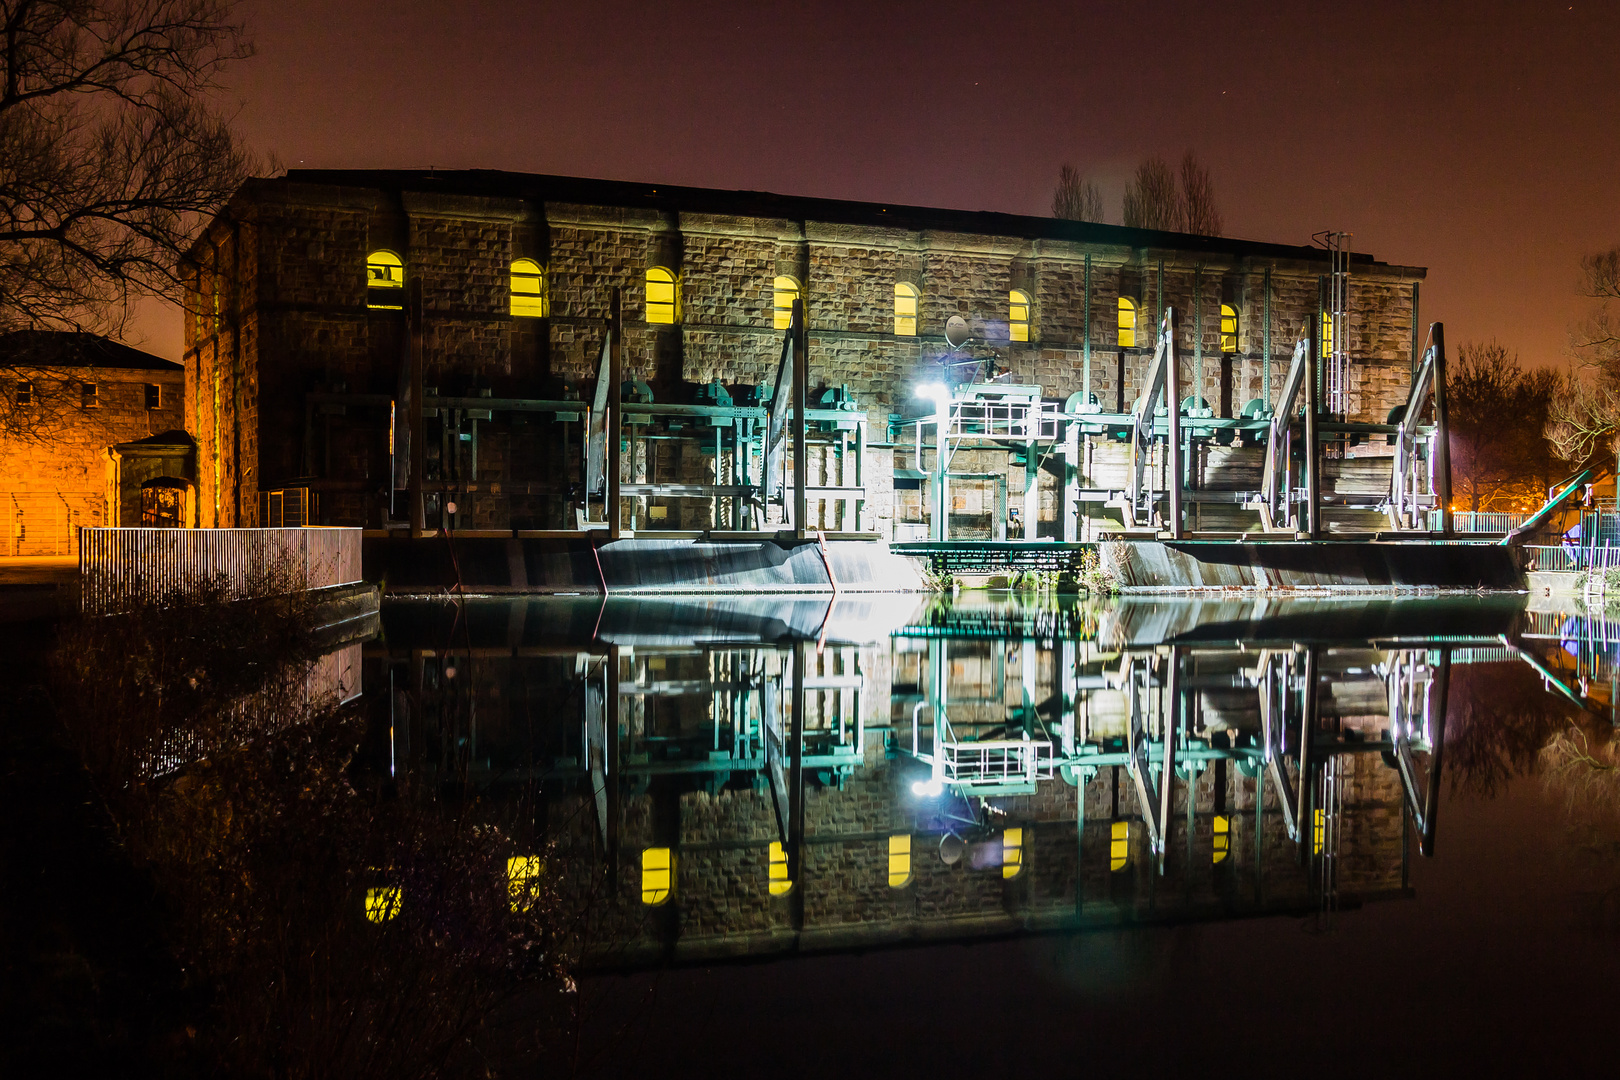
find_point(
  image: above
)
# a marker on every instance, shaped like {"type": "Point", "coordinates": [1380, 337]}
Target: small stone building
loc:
{"type": "Point", "coordinates": [310, 290]}
{"type": "Point", "coordinates": [68, 400]}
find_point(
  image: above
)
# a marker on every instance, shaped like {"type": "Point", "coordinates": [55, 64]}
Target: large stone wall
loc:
{"type": "Point", "coordinates": [289, 263]}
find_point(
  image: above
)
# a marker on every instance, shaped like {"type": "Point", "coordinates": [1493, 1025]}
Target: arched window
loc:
{"type": "Point", "coordinates": [657, 875]}
{"type": "Point", "coordinates": [663, 297]}
{"type": "Point", "coordinates": [1119, 846]}
{"type": "Point", "coordinates": [1018, 315]}
{"type": "Point", "coordinates": [529, 290]}
{"type": "Point", "coordinates": [1127, 323]}
{"type": "Point", "coordinates": [784, 292]}
{"type": "Point", "coordinates": [382, 903]}
{"type": "Point", "coordinates": [1012, 852]}
{"type": "Point", "coordinates": [1318, 831]}
{"type": "Point", "coordinates": [781, 884]}
{"type": "Point", "coordinates": [1229, 328]}
{"type": "Point", "coordinates": [1325, 343]}
{"type": "Point", "coordinates": [385, 274]}
{"type": "Point", "coordinates": [905, 309]}
{"type": "Point", "coordinates": [522, 880]}
{"type": "Point", "coordinates": [1223, 837]}
{"type": "Point", "coordinates": [900, 861]}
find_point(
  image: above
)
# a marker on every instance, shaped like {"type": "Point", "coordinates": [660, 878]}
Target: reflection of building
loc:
{"type": "Point", "coordinates": [88, 436]}
{"type": "Point", "coordinates": [935, 788]}
{"type": "Point", "coordinates": [319, 296]}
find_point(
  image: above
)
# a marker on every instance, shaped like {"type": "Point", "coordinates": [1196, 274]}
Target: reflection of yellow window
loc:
{"type": "Point", "coordinates": [1018, 315]}
{"type": "Point", "coordinates": [384, 272]}
{"type": "Point", "coordinates": [657, 875]}
{"type": "Point", "coordinates": [899, 861]}
{"type": "Point", "coordinates": [905, 309]}
{"type": "Point", "coordinates": [1318, 831]}
{"type": "Point", "coordinates": [522, 880]}
{"type": "Point", "coordinates": [528, 290]}
{"type": "Point", "coordinates": [1229, 328]}
{"type": "Point", "coordinates": [382, 903]}
{"type": "Point", "coordinates": [661, 297]}
{"type": "Point", "coordinates": [1223, 837]}
{"type": "Point", "coordinates": [1325, 348]}
{"type": "Point", "coordinates": [1119, 846]}
{"type": "Point", "coordinates": [1127, 323]}
{"type": "Point", "coordinates": [781, 884]}
{"type": "Point", "coordinates": [785, 291]}
{"type": "Point", "coordinates": [1012, 852]}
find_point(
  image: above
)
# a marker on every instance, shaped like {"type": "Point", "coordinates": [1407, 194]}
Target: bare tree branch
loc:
{"type": "Point", "coordinates": [1151, 199]}
{"type": "Point", "coordinates": [1077, 198]}
{"type": "Point", "coordinates": [1199, 213]}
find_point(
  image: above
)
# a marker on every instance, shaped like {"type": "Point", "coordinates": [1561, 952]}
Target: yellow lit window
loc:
{"type": "Point", "coordinates": [1119, 846]}
{"type": "Point", "coordinates": [657, 875]}
{"type": "Point", "coordinates": [899, 861]}
{"type": "Point", "coordinates": [905, 309]}
{"type": "Point", "coordinates": [1012, 852]}
{"type": "Point", "coordinates": [384, 273]}
{"type": "Point", "coordinates": [1318, 831]}
{"type": "Point", "coordinates": [382, 903]}
{"type": "Point", "coordinates": [1325, 348]}
{"type": "Point", "coordinates": [785, 291]}
{"type": "Point", "coordinates": [1223, 837]}
{"type": "Point", "coordinates": [529, 290]}
{"type": "Point", "coordinates": [781, 884]}
{"type": "Point", "coordinates": [522, 880]}
{"type": "Point", "coordinates": [1127, 323]}
{"type": "Point", "coordinates": [1018, 315]}
{"type": "Point", "coordinates": [661, 297]}
{"type": "Point", "coordinates": [1229, 328]}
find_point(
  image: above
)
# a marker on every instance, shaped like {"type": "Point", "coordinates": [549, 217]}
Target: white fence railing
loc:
{"type": "Point", "coordinates": [1479, 521]}
{"type": "Point", "coordinates": [999, 761]}
{"type": "Point", "coordinates": [119, 566]}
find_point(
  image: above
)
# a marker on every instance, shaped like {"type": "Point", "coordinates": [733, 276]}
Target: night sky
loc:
{"type": "Point", "coordinates": [1477, 140]}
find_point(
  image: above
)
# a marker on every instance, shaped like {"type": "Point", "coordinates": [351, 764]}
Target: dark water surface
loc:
{"type": "Point", "coordinates": [1388, 839]}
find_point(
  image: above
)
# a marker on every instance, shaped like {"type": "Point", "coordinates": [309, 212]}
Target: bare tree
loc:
{"type": "Point", "coordinates": [1199, 214]}
{"type": "Point", "coordinates": [1498, 412]}
{"type": "Point", "coordinates": [111, 151]}
{"type": "Point", "coordinates": [1151, 198]}
{"type": "Point", "coordinates": [1077, 198]}
{"type": "Point", "coordinates": [1585, 415]}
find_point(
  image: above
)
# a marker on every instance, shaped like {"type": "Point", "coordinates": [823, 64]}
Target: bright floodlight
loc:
{"type": "Point", "coordinates": [933, 391]}
{"type": "Point", "coordinates": [930, 789]}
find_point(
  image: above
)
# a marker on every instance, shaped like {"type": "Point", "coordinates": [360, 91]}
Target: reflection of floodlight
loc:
{"type": "Point", "coordinates": [928, 789]}
{"type": "Point", "coordinates": [934, 391]}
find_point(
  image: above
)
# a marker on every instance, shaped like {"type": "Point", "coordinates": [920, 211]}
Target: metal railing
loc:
{"type": "Point", "coordinates": [998, 761]}
{"type": "Point", "coordinates": [120, 566]}
{"type": "Point", "coordinates": [1479, 521]}
{"type": "Point", "coordinates": [1555, 557]}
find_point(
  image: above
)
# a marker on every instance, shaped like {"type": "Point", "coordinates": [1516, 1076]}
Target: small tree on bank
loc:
{"type": "Point", "coordinates": [1585, 414]}
{"type": "Point", "coordinates": [1500, 457]}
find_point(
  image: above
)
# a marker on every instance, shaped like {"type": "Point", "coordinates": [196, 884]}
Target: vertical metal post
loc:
{"type": "Point", "coordinates": [1032, 492]}
{"type": "Point", "coordinates": [610, 758]}
{"type": "Point", "coordinates": [1442, 441]}
{"type": "Point", "coordinates": [1070, 508]}
{"type": "Point", "coordinates": [796, 774]}
{"type": "Point", "coordinates": [1085, 366]}
{"type": "Point", "coordinates": [1172, 375]}
{"type": "Point", "coordinates": [801, 402]}
{"type": "Point", "coordinates": [1417, 345]}
{"type": "Point", "coordinates": [414, 415]}
{"type": "Point", "coordinates": [614, 410]}
{"type": "Point", "coordinates": [1198, 336]}
{"type": "Point", "coordinates": [940, 525]}
{"type": "Point", "coordinates": [1312, 457]}
{"type": "Point", "coordinates": [1265, 372]}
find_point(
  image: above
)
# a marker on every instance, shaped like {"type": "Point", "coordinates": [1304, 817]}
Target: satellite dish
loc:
{"type": "Point", "coordinates": [956, 331]}
{"type": "Point", "coordinates": [950, 849]}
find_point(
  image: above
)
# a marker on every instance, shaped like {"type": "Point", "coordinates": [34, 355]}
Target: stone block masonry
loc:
{"type": "Point", "coordinates": [279, 306]}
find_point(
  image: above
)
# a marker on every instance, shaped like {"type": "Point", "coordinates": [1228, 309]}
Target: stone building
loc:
{"type": "Point", "coordinates": [88, 436]}
{"type": "Point", "coordinates": [309, 292]}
